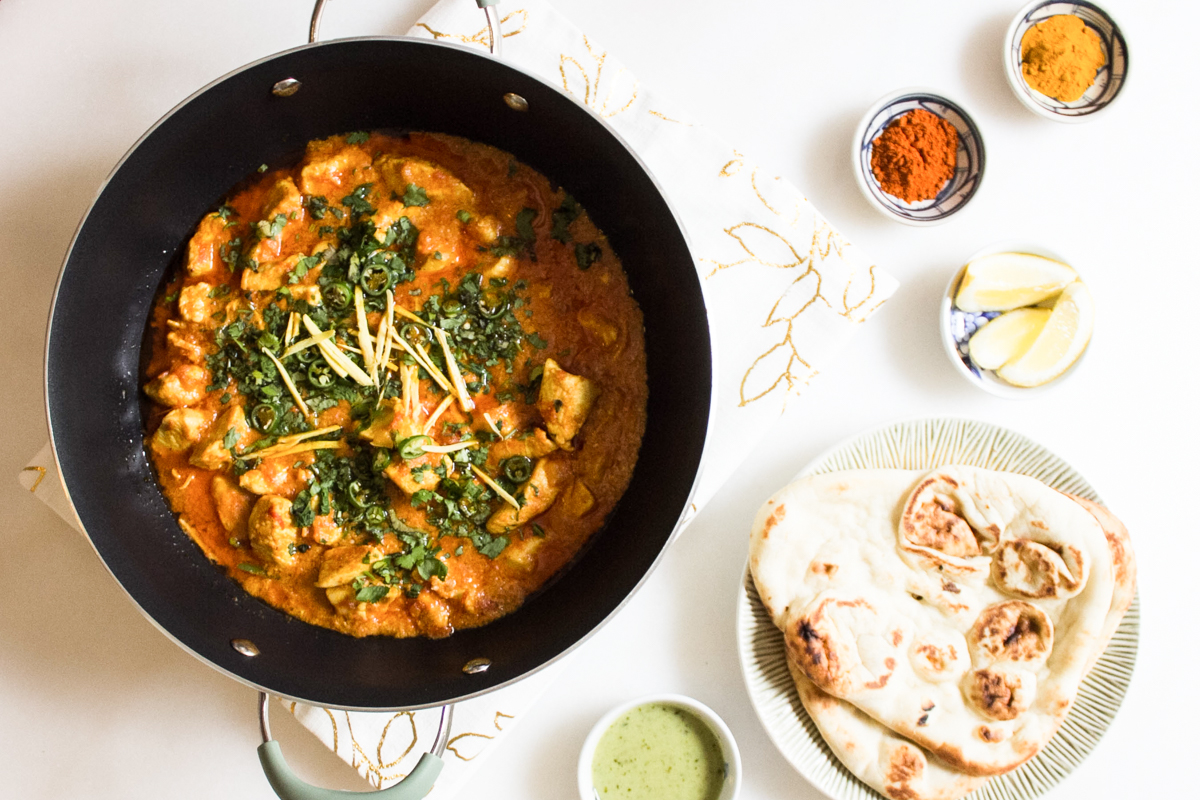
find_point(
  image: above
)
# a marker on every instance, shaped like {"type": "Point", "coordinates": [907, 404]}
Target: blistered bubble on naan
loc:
{"type": "Point", "coordinates": [1001, 692]}
{"type": "Point", "coordinates": [845, 644]}
{"type": "Point", "coordinates": [939, 655]}
{"type": "Point", "coordinates": [1012, 631]}
{"type": "Point", "coordinates": [935, 533]}
{"type": "Point", "coordinates": [1028, 568]}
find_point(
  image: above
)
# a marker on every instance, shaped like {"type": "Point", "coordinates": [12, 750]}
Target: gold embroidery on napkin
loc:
{"type": "Point", "coordinates": [482, 36]}
{"type": "Point", "coordinates": [453, 749]}
{"type": "Point", "coordinates": [383, 737]}
{"type": "Point", "coordinates": [496, 721]}
{"type": "Point", "coordinates": [665, 118]}
{"type": "Point", "coordinates": [591, 83]}
{"type": "Point", "coordinates": [41, 471]}
{"type": "Point", "coordinates": [733, 166]}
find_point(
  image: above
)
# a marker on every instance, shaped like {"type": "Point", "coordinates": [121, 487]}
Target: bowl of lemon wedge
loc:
{"type": "Point", "coordinates": [1016, 319]}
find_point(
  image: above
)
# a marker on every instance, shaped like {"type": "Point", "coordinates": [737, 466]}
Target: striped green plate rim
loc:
{"type": "Point", "coordinates": [925, 444]}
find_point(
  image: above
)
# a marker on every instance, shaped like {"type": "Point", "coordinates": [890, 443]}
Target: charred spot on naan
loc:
{"type": "Point", "coordinates": [991, 735]}
{"type": "Point", "coordinates": [934, 529]}
{"type": "Point", "coordinates": [832, 640]}
{"type": "Point", "coordinates": [905, 768]}
{"type": "Point", "coordinates": [939, 655]}
{"type": "Point", "coordinates": [774, 519]}
{"type": "Point", "coordinates": [999, 693]}
{"type": "Point", "coordinates": [932, 520]}
{"type": "Point", "coordinates": [1011, 631]}
{"type": "Point", "coordinates": [1039, 570]}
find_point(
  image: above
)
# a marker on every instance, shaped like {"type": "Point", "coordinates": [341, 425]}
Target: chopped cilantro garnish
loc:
{"type": "Point", "coordinates": [562, 219]}
{"type": "Point", "coordinates": [358, 137]}
{"type": "Point", "coordinates": [253, 569]}
{"type": "Point", "coordinates": [358, 203]}
{"type": "Point", "coordinates": [414, 196]}
{"type": "Point", "coordinates": [586, 254]}
{"type": "Point", "coordinates": [371, 593]}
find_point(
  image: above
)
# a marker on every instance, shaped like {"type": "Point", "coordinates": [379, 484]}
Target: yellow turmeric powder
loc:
{"type": "Point", "coordinates": [1061, 56]}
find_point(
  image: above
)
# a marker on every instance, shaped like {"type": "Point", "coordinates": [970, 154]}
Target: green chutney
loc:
{"type": "Point", "coordinates": [658, 752]}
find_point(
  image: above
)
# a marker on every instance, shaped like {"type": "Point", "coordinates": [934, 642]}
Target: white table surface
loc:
{"type": "Point", "coordinates": [95, 702]}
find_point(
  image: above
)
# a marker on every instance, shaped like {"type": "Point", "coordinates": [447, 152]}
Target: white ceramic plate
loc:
{"type": "Point", "coordinates": [925, 444]}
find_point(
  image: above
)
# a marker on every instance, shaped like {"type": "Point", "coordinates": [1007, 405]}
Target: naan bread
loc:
{"type": "Point", "coordinates": [879, 757]}
{"type": "Point", "coordinates": [899, 769]}
{"type": "Point", "coordinates": [959, 608]}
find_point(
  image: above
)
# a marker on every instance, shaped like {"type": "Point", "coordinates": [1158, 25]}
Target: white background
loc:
{"type": "Point", "coordinates": [95, 702]}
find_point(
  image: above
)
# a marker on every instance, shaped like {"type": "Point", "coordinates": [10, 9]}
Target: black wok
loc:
{"type": "Point", "coordinates": [136, 228]}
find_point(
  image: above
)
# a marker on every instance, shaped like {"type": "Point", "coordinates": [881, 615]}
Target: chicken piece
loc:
{"type": "Point", "coordinates": [578, 500]}
{"type": "Point", "coordinates": [503, 268]}
{"type": "Point", "coordinates": [187, 344]}
{"type": "Point", "coordinates": [273, 534]}
{"type": "Point", "coordinates": [182, 385]}
{"type": "Point", "coordinates": [283, 198]}
{"type": "Point", "coordinates": [341, 565]}
{"type": "Point", "coordinates": [441, 244]}
{"type": "Point", "coordinates": [229, 431]}
{"type": "Point", "coordinates": [434, 614]}
{"type": "Point", "coordinates": [233, 504]}
{"type": "Point", "coordinates": [462, 585]}
{"type": "Point", "coordinates": [270, 274]}
{"type": "Point", "coordinates": [536, 495]}
{"type": "Point", "coordinates": [597, 325]}
{"type": "Point", "coordinates": [415, 474]}
{"type": "Point", "coordinates": [522, 553]}
{"type": "Point", "coordinates": [535, 446]}
{"type": "Point", "coordinates": [485, 228]}
{"type": "Point", "coordinates": [389, 212]}
{"type": "Point", "coordinates": [180, 429]}
{"type": "Point", "coordinates": [391, 423]}
{"type": "Point", "coordinates": [204, 249]}
{"type": "Point", "coordinates": [325, 531]}
{"type": "Point", "coordinates": [333, 175]}
{"type": "Point", "coordinates": [398, 172]}
{"type": "Point", "coordinates": [309, 294]}
{"type": "Point", "coordinates": [197, 303]}
{"type": "Point", "coordinates": [564, 402]}
{"type": "Point", "coordinates": [276, 476]}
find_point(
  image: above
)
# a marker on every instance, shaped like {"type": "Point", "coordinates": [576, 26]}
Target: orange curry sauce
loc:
{"type": "Point", "coordinates": [360, 528]}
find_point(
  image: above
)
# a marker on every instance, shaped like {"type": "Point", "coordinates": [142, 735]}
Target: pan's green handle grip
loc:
{"type": "Point", "coordinates": [289, 787]}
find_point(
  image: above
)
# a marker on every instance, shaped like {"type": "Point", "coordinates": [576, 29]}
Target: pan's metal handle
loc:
{"type": "Point", "coordinates": [289, 787]}
{"type": "Point", "coordinates": [488, 6]}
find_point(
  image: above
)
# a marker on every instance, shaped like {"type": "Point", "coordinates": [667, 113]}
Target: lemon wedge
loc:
{"type": "Point", "coordinates": [1004, 281]}
{"type": "Point", "coordinates": [1007, 337]}
{"type": "Point", "coordinates": [1062, 340]}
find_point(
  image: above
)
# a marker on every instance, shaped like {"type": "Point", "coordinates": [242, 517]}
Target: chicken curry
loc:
{"type": "Point", "coordinates": [395, 386]}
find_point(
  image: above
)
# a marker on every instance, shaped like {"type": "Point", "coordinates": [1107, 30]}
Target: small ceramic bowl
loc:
{"type": "Point", "coordinates": [1109, 80]}
{"type": "Point", "coordinates": [968, 171]}
{"type": "Point", "coordinates": [958, 326]}
{"type": "Point", "coordinates": [733, 760]}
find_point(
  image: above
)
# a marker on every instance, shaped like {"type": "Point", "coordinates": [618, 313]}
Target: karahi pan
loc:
{"type": "Point", "coordinates": [135, 230]}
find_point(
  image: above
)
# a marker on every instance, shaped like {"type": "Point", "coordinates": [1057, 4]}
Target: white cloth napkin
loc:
{"type": "Point", "coordinates": [784, 293]}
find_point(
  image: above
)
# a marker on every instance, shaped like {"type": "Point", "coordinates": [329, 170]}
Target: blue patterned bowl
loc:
{"type": "Point", "coordinates": [968, 171]}
{"type": "Point", "coordinates": [957, 326]}
{"type": "Point", "coordinates": [1109, 80]}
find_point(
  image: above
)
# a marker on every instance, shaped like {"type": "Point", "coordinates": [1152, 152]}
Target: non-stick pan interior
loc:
{"type": "Point", "coordinates": [144, 216]}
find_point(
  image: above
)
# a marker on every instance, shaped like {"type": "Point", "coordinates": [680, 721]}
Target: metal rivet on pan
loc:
{"type": "Point", "coordinates": [286, 87]}
{"type": "Point", "coordinates": [477, 665]}
{"type": "Point", "coordinates": [245, 647]}
{"type": "Point", "coordinates": [516, 102]}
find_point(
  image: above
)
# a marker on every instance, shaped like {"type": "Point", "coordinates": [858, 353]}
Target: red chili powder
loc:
{"type": "Point", "coordinates": [915, 155]}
